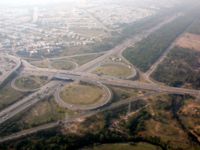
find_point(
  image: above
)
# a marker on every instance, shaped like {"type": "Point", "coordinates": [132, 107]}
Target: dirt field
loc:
{"type": "Point", "coordinates": [190, 41]}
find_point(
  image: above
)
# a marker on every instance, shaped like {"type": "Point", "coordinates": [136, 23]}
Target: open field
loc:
{"type": "Point", "coordinates": [63, 64]}
{"type": "Point", "coordinates": [115, 70]}
{"type": "Point", "coordinates": [30, 82]}
{"type": "Point", "coordinates": [80, 60]}
{"type": "Point", "coordinates": [190, 41]}
{"type": "Point", "coordinates": [180, 68]}
{"type": "Point", "coordinates": [41, 64]}
{"type": "Point", "coordinates": [137, 146]}
{"type": "Point", "coordinates": [82, 94]}
{"type": "Point", "coordinates": [8, 96]}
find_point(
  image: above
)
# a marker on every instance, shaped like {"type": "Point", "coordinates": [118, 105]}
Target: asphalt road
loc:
{"type": "Point", "coordinates": [164, 55]}
{"type": "Point", "coordinates": [81, 74]}
{"type": "Point", "coordinates": [124, 45]}
{"type": "Point", "coordinates": [28, 101]}
{"type": "Point", "coordinates": [116, 82]}
{"type": "Point", "coordinates": [17, 66]}
{"type": "Point", "coordinates": [107, 96]}
{"type": "Point", "coordinates": [74, 118]}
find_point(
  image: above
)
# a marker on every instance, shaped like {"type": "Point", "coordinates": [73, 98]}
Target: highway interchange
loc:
{"type": "Point", "coordinates": [82, 73]}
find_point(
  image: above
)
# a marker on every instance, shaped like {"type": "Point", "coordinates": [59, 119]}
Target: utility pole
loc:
{"type": "Point", "coordinates": [129, 108]}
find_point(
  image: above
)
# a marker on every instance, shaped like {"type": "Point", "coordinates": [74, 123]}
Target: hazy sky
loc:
{"type": "Point", "coordinates": [30, 2]}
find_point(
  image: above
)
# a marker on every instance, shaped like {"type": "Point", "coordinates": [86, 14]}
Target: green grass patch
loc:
{"type": "Point", "coordinates": [81, 60]}
{"type": "Point", "coordinates": [63, 64]}
{"type": "Point", "coordinates": [119, 71]}
{"type": "Point", "coordinates": [31, 82]}
{"type": "Point", "coordinates": [41, 63]}
{"type": "Point", "coordinates": [9, 96]}
{"type": "Point", "coordinates": [82, 94]}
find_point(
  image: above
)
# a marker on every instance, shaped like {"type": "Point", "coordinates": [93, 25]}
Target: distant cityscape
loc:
{"type": "Point", "coordinates": [100, 75]}
{"type": "Point", "coordinates": [47, 29]}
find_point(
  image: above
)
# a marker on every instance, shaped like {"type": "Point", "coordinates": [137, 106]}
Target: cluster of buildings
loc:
{"type": "Point", "coordinates": [41, 31]}
{"type": "Point", "coordinates": [116, 15]}
{"type": "Point", "coordinates": [48, 30]}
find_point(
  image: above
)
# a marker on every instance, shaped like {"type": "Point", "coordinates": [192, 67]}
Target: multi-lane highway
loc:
{"type": "Point", "coordinates": [74, 118]}
{"type": "Point", "coordinates": [114, 81]}
{"type": "Point", "coordinates": [9, 73]}
{"type": "Point", "coordinates": [77, 55]}
{"type": "Point", "coordinates": [28, 101]}
{"type": "Point", "coordinates": [81, 73]}
{"type": "Point", "coordinates": [118, 50]}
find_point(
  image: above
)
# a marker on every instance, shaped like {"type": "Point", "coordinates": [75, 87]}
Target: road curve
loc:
{"type": "Point", "coordinates": [28, 101]}
{"type": "Point", "coordinates": [118, 82]}
{"type": "Point", "coordinates": [18, 65]}
{"type": "Point", "coordinates": [124, 45]}
{"type": "Point", "coordinates": [72, 119]}
{"type": "Point", "coordinates": [107, 97]}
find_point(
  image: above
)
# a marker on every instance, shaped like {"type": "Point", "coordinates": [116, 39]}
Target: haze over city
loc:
{"type": "Point", "coordinates": [100, 74]}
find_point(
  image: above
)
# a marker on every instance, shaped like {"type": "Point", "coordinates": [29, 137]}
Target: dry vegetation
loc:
{"type": "Point", "coordinates": [162, 123]}
{"type": "Point", "coordinates": [190, 115]}
{"type": "Point", "coordinates": [124, 93]}
{"type": "Point", "coordinates": [190, 41]}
